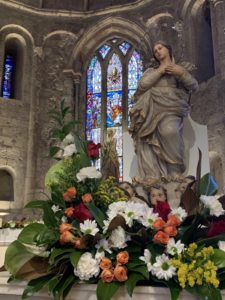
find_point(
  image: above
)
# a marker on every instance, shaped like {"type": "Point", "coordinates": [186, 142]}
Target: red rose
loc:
{"type": "Point", "coordinates": [163, 209]}
{"type": "Point", "coordinates": [93, 150]}
{"type": "Point", "coordinates": [216, 228]}
{"type": "Point", "coordinates": [82, 213]}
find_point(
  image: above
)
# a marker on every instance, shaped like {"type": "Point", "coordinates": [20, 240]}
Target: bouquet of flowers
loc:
{"type": "Point", "coordinates": [93, 233]}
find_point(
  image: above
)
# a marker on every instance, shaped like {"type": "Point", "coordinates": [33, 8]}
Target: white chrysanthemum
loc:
{"type": "Point", "coordinates": [179, 212]}
{"type": "Point", "coordinates": [147, 259]}
{"type": "Point", "coordinates": [221, 245]}
{"type": "Point", "coordinates": [211, 202]}
{"type": "Point", "coordinates": [87, 267]}
{"type": "Point", "coordinates": [106, 225]}
{"type": "Point", "coordinates": [69, 150]}
{"type": "Point", "coordinates": [89, 227]}
{"type": "Point", "coordinates": [118, 238]}
{"type": "Point", "coordinates": [116, 208]}
{"type": "Point", "coordinates": [55, 208]}
{"type": "Point", "coordinates": [162, 268]}
{"type": "Point", "coordinates": [173, 247]}
{"type": "Point", "coordinates": [88, 172]}
{"type": "Point", "coordinates": [149, 218]}
{"type": "Point", "coordinates": [69, 139]}
{"type": "Point", "coordinates": [103, 245]}
{"type": "Point", "coordinates": [134, 211]}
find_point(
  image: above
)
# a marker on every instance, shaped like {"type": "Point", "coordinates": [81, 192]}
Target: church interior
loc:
{"type": "Point", "coordinates": [51, 45]}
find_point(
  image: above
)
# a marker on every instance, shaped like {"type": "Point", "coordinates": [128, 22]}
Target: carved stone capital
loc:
{"type": "Point", "coordinates": [75, 76]}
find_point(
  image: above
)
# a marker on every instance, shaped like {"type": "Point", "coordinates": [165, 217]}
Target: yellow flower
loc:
{"type": "Point", "coordinates": [191, 249]}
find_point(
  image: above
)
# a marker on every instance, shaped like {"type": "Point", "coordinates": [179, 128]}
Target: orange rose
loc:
{"type": "Point", "coordinates": [66, 237]}
{"type": "Point", "coordinates": [170, 230]}
{"type": "Point", "coordinates": [107, 275]}
{"type": "Point", "coordinates": [86, 198]}
{"type": "Point", "coordinates": [65, 227]}
{"type": "Point", "coordinates": [161, 237]}
{"type": "Point", "coordinates": [69, 211]}
{"type": "Point", "coordinates": [122, 257]}
{"type": "Point", "coordinates": [159, 224]}
{"type": "Point", "coordinates": [79, 244]}
{"type": "Point", "coordinates": [173, 220]}
{"type": "Point", "coordinates": [66, 197]}
{"type": "Point", "coordinates": [120, 273]}
{"type": "Point", "coordinates": [71, 192]}
{"type": "Point", "coordinates": [105, 263]}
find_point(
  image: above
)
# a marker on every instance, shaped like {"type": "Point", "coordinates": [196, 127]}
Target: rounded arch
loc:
{"type": "Point", "coordinates": [13, 35]}
{"type": "Point", "coordinates": [102, 31]}
{"type": "Point", "coordinates": [59, 32]}
{"type": "Point", "coordinates": [7, 187]}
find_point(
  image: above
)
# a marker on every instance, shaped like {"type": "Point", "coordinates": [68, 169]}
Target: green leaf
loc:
{"type": "Point", "coordinates": [208, 186]}
{"type": "Point", "coordinates": [29, 233]}
{"type": "Point", "coordinates": [53, 283]}
{"type": "Point", "coordinates": [48, 236]}
{"type": "Point", "coordinates": [53, 151]}
{"type": "Point", "coordinates": [49, 217]}
{"type": "Point", "coordinates": [57, 133]}
{"type": "Point", "coordinates": [57, 252]}
{"type": "Point", "coordinates": [219, 258]}
{"type": "Point", "coordinates": [65, 282]}
{"type": "Point", "coordinates": [139, 269]}
{"type": "Point", "coordinates": [16, 256]}
{"type": "Point", "coordinates": [132, 282]}
{"type": "Point", "coordinates": [97, 213]}
{"type": "Point", "coordinates": [205, 292]}
{"type": "Point", "coordinates": [175, 289]}
{"type": "Point", "coordinates": [105, 291]}
{"type": "Point", "coordinates": [68, 127]}
{"type": "Point", "coordinates": [36, 204]}
{"type": "Point", "coordinates": [74, 257]}
{"type": "Point", "coordinates": [213, 241]}
{"type": "Point", "coordinates": [36, 285]}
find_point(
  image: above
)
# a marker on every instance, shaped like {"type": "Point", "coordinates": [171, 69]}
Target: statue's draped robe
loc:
{"type": "Point", "coordinates": [157, 122]}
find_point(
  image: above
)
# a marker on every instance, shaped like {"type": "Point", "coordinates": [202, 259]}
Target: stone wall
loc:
{"type": "Point", "coordinates": [59, 42]}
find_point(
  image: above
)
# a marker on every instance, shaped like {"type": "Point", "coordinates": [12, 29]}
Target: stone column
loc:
{"type": "Point", "coordinates": [76, 78]}
{"type": "Point", "coordinates": [217, 10]}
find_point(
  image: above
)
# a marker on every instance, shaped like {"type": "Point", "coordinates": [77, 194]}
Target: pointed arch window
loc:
{"type": "Point", "coordinates": [112, 77]}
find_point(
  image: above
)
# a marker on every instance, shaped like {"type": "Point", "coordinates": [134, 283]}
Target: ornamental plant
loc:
{"type": "Point", "coordinates": [93, 233]}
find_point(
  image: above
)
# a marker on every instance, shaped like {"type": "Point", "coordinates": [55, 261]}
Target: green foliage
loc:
{"type": "Point", "coordinates": [205, 292]}
{"type": "Point", "coordinates": [207, 185]}
{"type": "Point", "coordinates": [16, 256]}
{"type": "Point", "coordinates": [36, 285]}
{"type": "Point", "coordinates": [105, 291]}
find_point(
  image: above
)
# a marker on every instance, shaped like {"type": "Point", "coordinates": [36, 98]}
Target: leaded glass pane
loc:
{"type": "Point", "coordinates": [114, 109]}
{"type": "Point", "coordinates": [94, 97]}
{"type": "Point", "coordinates": [104, 50]}
{"type": "Point", "coordinates": [135, 70]}
{"type": "Point", "coordinates": [124, 47]}
{"type": "Point", "coordinates": [114, 74]}
{"type": "Point", "coordinates": [7, 86]}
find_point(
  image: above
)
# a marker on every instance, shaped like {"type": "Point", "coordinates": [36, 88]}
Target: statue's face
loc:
{"type": "Point", "coordinates": [161, 52]}
{"type": "Point", "coordinates": [157, 195]}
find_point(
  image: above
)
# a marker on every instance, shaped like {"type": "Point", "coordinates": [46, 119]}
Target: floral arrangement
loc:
{"type": "Point", "coordinates": [93, 233]}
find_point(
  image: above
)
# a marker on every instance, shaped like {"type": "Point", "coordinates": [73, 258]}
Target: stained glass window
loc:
{"type": "Point", "coordinates": [7, 84]}
{"type": "Point", "coordinates": [135, 70]}
{"type": "Point", "coordinates": [104, 50]}
{"type": "Point", "coordinates": [106, 98]}
{"type": "Point", "coordinates": [124, 47]}
{"type": "Point", "coordinates": [94, 98]}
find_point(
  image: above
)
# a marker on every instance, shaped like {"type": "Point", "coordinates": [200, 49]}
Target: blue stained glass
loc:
{"type": "Point", "coordinates": [124, 47]}
{"type": "Point", "coordinates": [114, 109]}
{"type": "Point", "coordinates": [104, 50]}
{"type": "Point", "coordinates": [94, 99]}
{"type": "Point", "coordinates": [7, 88]}
{"type": "Point", "coordinates": [135, 70]}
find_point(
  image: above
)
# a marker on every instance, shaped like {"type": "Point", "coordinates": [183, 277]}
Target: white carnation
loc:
{"type": "Point", "coordinates": [211, 202]}
{"type": "Point", "coordinates": [69, 150]}
{"type": "Point", "coordinates": [88, 172]}
{"type": "Point", "coordinates": [87, 267]}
